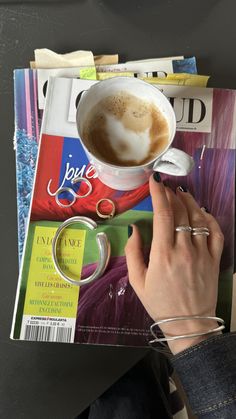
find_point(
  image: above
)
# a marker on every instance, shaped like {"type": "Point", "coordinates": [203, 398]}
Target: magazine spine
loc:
{"type": "Point", "coordinates": [43, 127]}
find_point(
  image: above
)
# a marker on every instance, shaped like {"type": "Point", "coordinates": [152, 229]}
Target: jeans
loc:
{"type": "Point", "coordinates": [208, 374]}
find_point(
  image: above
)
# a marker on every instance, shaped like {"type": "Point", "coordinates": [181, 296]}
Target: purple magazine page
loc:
{"type": "Point", "coordinates": [206, 129]}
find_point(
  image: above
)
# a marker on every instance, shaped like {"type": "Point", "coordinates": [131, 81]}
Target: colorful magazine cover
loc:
{"type": "Point", "coordinates": [27, 129]}
{"type": "Point", "coordinates": [107, 311]}
{"type": "Point", "coordinates": [29, 94]}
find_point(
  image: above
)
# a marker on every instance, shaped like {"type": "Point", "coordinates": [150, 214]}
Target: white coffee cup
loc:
{"type": "Point", "coordinates": [171, 160]}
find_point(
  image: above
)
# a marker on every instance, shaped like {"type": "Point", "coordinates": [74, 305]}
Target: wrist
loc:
{"type": "Point", "coordinates": [188, 327]}
{"type": "Point", "coordinates": [180, 345]}
{"type": "Point", "coordinates": [183, 332]}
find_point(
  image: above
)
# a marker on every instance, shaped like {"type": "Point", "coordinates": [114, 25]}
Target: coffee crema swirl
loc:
{"type": "Point", "coordinates": [125, 130]}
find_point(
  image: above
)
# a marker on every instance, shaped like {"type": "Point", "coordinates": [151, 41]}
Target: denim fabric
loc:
{"type": "Point", "coordinates": [208, 374]}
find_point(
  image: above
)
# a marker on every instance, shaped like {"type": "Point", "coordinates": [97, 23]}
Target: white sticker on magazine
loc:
{"type": "Point", "coordinates": [192, 106]}
{"type": "Point", "coordinates": [43, 76]}
{"type": "Point", "coordinates": [78, 86]}
{"type": "Point", "coordinates": [47, 329]}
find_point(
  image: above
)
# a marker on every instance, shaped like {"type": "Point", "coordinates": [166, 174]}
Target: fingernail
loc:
{"type": "Point", "coordinates": [157, 177]}
{"type": "Point", "coordinates": [182, 189]}
{"type": "Point", "coordinates": [205, 209]}
{"type": "Point", "coordinates": [130, 230]}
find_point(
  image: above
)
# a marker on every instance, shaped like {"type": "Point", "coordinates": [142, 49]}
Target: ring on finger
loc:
{"type": "Point", "coordinates": [183, 228]}
{"type": "Point", "coordinates": [201, 231]}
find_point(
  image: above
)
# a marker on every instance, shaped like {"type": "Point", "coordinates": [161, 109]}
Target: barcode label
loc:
{"type": "Point", "coordinates": [48, 334]}
{"type": "Point", "coordinates": [47, 329]}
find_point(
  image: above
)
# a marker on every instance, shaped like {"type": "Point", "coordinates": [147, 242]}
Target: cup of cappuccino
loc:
{"type": "Point", "coordinates": [126, 127]}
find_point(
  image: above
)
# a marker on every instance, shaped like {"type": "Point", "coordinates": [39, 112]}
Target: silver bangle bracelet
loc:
{"type": "Point", "coordinates": [103, 247]}
{"type": "Point", "coordinates": [169, 338]}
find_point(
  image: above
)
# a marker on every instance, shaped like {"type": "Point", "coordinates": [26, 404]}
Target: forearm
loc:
{"type": "Point", "coordinates": [208, 374]}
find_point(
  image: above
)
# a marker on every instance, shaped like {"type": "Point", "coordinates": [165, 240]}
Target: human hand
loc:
{"type": "Point", "coordinates": [181, 278]}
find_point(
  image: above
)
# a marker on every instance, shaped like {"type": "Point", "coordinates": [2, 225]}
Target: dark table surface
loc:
{"type": "Point", "coordinates": [54, 380]}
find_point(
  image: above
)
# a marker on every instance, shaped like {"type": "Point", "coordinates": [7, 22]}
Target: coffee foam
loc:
{"type": "Point", "coordinates": [125, 130]}
{"type": "Point", "coordinates": [136, 145]}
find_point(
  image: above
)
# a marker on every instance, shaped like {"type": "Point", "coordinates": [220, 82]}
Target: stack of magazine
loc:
{"type": "Point", "coordinates": [49, 156]}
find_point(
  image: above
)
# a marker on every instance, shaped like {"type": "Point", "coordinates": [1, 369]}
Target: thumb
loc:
{"type": "Point", "coordinates": [135, 261]}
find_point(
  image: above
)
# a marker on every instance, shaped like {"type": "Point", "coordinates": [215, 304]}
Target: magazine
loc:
{"type": "Point", "coordinates": [26, 137]}
{"type": "Point", "coordinates": [157, 68]}
{"type": "Point", "coordinates": [151, 68]}
{"type": "Point", "coordinates": [28, 115]}
{"type": "Point", "coordinates": [107, 311]}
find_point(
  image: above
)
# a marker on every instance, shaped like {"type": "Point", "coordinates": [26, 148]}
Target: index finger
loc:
{"type": "Point", "coordinates": [163, 218]}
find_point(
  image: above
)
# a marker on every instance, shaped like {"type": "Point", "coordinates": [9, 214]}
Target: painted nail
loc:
{"type": "Point", "coordinates": [205, 209]}
{"type": "Point", "coordinates": [157, 177]}
{"type": "Point", "coordinates": [182, 189]}
{"type": "Point", "coordinates": [130, 230]}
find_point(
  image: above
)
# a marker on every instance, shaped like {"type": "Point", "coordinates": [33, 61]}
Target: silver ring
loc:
{"type": "Point", "coordinates": [103, 247]}
{"type": "Point", "coordinates": [82, 179]}
{"type": "Point", "coordinates": [183, 228]}
{"type": "Point", "coordinates": [201, 231]}
{"type": "Point", "coordinates": [113, 208]}
{"type": "Point", "coordinates": [65, 189]}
